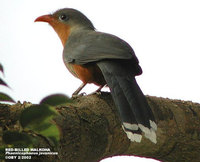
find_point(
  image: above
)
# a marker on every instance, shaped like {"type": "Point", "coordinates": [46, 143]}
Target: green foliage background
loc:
{"type": "Point", "coordinates": [36, 121]}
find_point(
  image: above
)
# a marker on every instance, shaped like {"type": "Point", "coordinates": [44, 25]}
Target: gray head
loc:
{"type": "Point", "coordinates": [68, 16]}
{"type": "Point", "coordinates": [66, 20]}
{"type": "Point", "coordinates": [73, 17]}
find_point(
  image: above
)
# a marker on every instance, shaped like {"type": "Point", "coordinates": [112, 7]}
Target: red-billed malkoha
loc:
{"type": "Point", "coordinates": [101, 58]}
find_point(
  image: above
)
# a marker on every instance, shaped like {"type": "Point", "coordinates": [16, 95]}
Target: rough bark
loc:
{"type": "Point", "coordinates": [91, 130]}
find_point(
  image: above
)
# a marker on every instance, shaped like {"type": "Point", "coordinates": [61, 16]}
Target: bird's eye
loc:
{"type": "Point", "coordinates": [63, 17]}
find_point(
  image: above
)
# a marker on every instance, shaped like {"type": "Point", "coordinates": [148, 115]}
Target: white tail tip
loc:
{"type": "Point", "coordinates": [148, 132]}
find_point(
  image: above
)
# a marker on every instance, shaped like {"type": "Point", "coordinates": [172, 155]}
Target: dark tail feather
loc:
{"type": "Point", "coordinates": [135, 113]}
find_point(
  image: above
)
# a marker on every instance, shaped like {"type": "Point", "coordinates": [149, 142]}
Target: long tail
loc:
{"type": "Point", "coordinates": [135, 113]}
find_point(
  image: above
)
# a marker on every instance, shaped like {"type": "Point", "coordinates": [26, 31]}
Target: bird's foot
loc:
{"type": "Point", "coordinates": [78, 95]}
{"type": "Point", "coordinates": [95, 92]}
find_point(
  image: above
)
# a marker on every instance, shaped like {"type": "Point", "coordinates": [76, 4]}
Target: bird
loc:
{"type": "Point", "coordinates": [104, 59]}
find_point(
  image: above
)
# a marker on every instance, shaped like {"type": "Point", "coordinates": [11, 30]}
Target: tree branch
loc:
{"type": "Point", "coordinates": [91, 130]}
